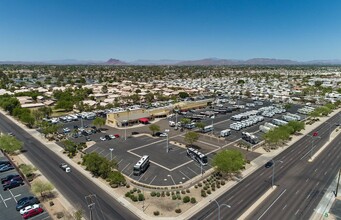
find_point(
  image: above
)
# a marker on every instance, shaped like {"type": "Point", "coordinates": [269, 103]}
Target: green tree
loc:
{"type": "Point", "coordinates": [40, 187]}
{"type": "Point", "coordinates": [191, 137]}
{"type": "Point", "coordinates": [185, 121]}
{"type": "Point", "coordinates": [183, 95]}
{"type": "Point", "coordinates": [296, 125]}
{"type": "Point", "coordinates": [79, 214]}
{"type": "Point", "coordinates": [10, 144]}
{"type": "Point", "coordinates": [98, 165]}
{"type": "Point", "coordinates": [99, 122]}
{"type": "Point", "coordinates": [154, 128]}
{"type": "Point", "coordinates": [228, 161]}
{"type": "Point", "coordinates": [200, 125]}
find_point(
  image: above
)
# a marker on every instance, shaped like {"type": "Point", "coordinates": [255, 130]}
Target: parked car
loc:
{"type": "Point", "coordinates": [32, 213]}
{"type": "Point", "coordinates": [9, 177]}
{"type": "Point", "coordinates": [28, 208]}
{"type": "Point", "coordinates": [12, 184]}
{"type": "Point", "coordinates": [112, 136]}
{"type": "Point", "coordinates": [102, 138]}
{"type": "Point", "coordinates": [117, 135]}
{"type": "Point", "coordinates": [4, 162]}
{"type": "Point", "coordinates": [6, 168]}
{"type": "Point", "coordinates": [88, 139]}
{"type": "Point", "coordinates": [17, 178]}
{"type": "Point", "coordinates": [26, 201]}
{"type": "Point", "coordinates": [66, 130]}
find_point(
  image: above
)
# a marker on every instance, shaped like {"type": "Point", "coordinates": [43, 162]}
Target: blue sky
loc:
{"type": "Point", "coordinates": [38, 30]}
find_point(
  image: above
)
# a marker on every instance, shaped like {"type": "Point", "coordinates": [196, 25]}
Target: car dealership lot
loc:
{"type": "Point", "coordinates": [9, 198]}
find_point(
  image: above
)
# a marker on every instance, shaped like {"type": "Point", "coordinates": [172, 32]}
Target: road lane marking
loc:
{"type": "Point", "coordinates": [316, 169]}
{"type": "Point", "coordinates": [284, 207]}
{"type": "Point", "coordinates": [297, 211]}
{"type": "Point", "coordinates": [297, 191]}
{"type": "Point", "coordinates": [307, 180]}
{"type": "Point", "coordinates": [261, 174]}
{"type": "Point", "coordinates": [230, 198]}
{"type": "Point", "coordinates": [325, 173]}
{"type": "Point", "coordinates": [272, 204]}
{"type": "Point", "coordinates": [240, 202]}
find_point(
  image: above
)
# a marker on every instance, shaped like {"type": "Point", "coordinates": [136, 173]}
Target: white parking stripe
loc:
{"type": "Point", "coordinates": [152, 180]}
{"type": "Point", "coordinates": [3, 201]}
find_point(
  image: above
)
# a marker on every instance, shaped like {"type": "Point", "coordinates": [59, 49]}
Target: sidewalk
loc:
{"type": "Point", "coordinates": [256, 163]}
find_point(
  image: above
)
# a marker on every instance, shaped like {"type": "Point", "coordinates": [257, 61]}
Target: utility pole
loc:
{"type": "Point", "coordinates": [90, 203]}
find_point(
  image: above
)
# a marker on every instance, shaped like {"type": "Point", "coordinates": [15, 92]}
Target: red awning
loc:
{"type": "Point", "coordinates": [144, 120]}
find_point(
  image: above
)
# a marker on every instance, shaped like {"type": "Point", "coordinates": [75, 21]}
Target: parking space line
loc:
{"type": "Point", "coordinates": [152, 180]}
{"type": "Point", "coordinates": [95, 148]}
{"type": "Point", "coordinates": [131, 173]}
{"type": "Point", "coordinates": [184, 175]}
{"type": "Point", "coordinates": [172, 179]}
{"type": "Point", "coordinates": [119, 162]}
{"type": "Point", "coordinates": [125, 167]}
{"type": "Point", "coordinates": [4, 201]}
{"type": "Point", "coordinates": [101, 151]}
{"type": "Point", "coordinates": [13, 196]}
{"type": "Point", "coordinates": [141, 176]}
{"type": "Point", "coordinates": [193, 171]}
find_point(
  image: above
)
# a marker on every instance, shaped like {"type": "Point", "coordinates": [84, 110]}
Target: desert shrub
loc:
{"type": "Point", "coordinates": [188, 191]}
{"type": "Point", "coordinates": [193, 200]}
{"type": "Point", "coordinates": [174, 197]}
{"type": "Point", "coordinates": [183, 192]}
{"type": "Point", "coordinates": [156, 213]}
{"type": "Point", "coordinates": [127, 194]}
{"type": "Point", "coordinates": [140, 197]}
{"type": "Point", "coordinates": [178, 210]}
{"type": "Point", "coordinates": [153, 194]}
{"type": "Point", "coordinates": [186, 199]}
{"type": "Point", "coordinates": [222, 182]}
{"type": "Point", "coordinates": [200, 184]}
{"type": "Point", "coordinates": [179, 197]}
{"type": "Point", "coordinates": [158, 194]}
{"type": "Point", "coordinates": [168, 193]}
{"type": "Point", "coordinates": [208, 191]}
{"type": "Point", "coordinates": [203, 193]}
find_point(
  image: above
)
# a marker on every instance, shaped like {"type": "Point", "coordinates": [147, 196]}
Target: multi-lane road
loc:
{"type": "Point", "coordinates": [300, 184]}
{"type": "Point", "coordinates": [74, 186]}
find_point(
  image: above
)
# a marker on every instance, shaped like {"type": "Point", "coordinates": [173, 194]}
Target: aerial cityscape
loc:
{"type": "Point", "coordinates": [170, 110]}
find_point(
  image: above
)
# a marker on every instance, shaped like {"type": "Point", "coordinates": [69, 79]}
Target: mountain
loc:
{"type": "Point", "coordinates": [112, 61]}
{"type": "Point", "coordinates": [201, 62]}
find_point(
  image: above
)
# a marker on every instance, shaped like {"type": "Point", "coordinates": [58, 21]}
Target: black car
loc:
{"type": "Point", "coordinates": [4, 162]}
{"type": "Point", "coordinates": [269, 164]}
{"type": "Point", "coordinates": [13, 184]}
{"type": "Point", "coordinates": [157, 134]}
{"type": "Point", "coordinates": [26, 201]}
{"type": "Point", "coordinates": [6, 168]}
{"type": "Point", "coordinates": [9, 177]}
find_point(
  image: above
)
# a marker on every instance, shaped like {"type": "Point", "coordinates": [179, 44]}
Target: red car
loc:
{"type": "Point", "coordinates": [117, 135]}
{"type": "Point", "coordinates": [32, 213]}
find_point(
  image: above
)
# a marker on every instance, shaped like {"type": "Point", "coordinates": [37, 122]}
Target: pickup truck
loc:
{"type": "Point", "coordinates": [65, 167]}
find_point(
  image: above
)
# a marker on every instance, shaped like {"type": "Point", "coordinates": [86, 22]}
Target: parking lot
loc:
{"type": "Point", "coordinates": [9, 198]}
{"type": "Point", "coordinates": [173, 167]}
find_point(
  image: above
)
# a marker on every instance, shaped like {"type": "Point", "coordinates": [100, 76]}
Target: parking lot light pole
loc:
{"type": "Point", "coordinates": [111, 149]}
{"type": "Point", "coordinates": [219, 206]}
{"type": "Point", "coordinates": [167, 132]}
{"type": "Point", "coordinates": [273, 172]}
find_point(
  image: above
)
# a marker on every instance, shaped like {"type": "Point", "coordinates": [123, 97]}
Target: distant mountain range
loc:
{"type": "Point", "coordinates": [202, 62]}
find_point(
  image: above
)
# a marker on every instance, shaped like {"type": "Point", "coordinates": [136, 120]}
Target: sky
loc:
{"type": "Point", "coordinates": [42, 30]}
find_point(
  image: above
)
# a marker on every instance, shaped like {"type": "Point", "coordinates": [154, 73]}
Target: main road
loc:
{"type": "Point", "coordinates": [298, 181]}
{"type": "Point", "coordinates": [79, 190]}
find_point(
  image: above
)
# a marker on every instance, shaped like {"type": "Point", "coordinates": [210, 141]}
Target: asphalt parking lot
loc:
{"type": "Point", "coordinates": [9, 198]}
{"type": "Point", "coordinates": [174, 167]}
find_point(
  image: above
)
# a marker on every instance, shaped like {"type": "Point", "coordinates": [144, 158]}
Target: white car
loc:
{"type": "Point", "coordinates": [112, 136]}
{"type": "Point", "coordinates": [102, 138]}
{"type": "Point", "coordinates": [163, 135]}
{"type": "Point", "coordinates": [28, 208]}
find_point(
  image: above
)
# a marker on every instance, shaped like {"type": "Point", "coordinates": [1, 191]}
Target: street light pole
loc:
{"type": "Point", "coordinates": [228, 206]}
{"type": "Point", "coordinates": [167, 132]}
{"type": "Point", "coordinates": [273, 172]}
{"type": "Point", "coordinates": [111, 149]}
